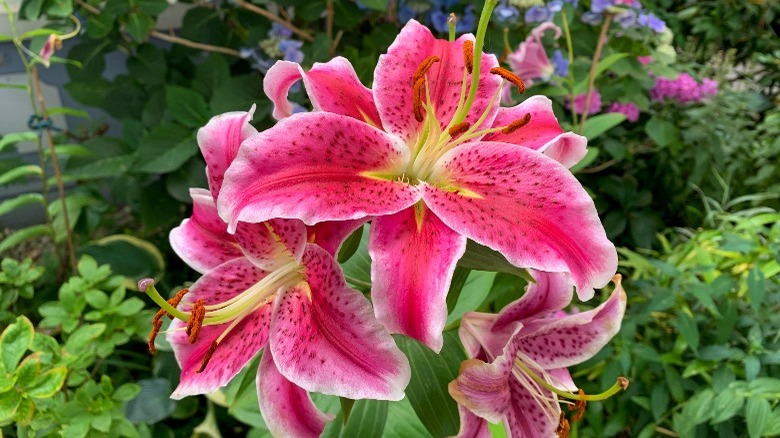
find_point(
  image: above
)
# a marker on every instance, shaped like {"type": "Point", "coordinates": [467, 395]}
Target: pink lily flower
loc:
{"type": "Point", "coordinates": [267, 288]}
{"type": "Point", "coordinates": [430, 166]}
{"type": "Point", "coordinates": [521, 354]}
{"type": "Point", "coordinates": [52, 43]}
{"type": "Point", "coordinates": [530, 60]}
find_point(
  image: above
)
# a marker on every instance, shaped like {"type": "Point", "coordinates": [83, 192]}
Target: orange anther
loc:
{"type": "Point", "coordinates": [423, 68]}
{"type": "Point", "coordinates": [458, 129]}
{"type": "Point", "coordinates": [509, 76]}
{"type": "Point", "coordinates": [563, 427]}
{"type": "Point", "coordinates": [503, 56]}
{"type": "Point", "coordinates": [196, 320]}
{"type": "Point", "coordinates": [468, 55]}
{"type": "Point", "coordinates": [579, 406]}
{"type": "Point", "coordinates": [418, 86]}
{"type": "Point", "coordinates": [517, 124]}
{"type": "Point", "coordinates": [156, 326]}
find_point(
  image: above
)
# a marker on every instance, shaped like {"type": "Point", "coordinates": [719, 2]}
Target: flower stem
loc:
{"type": "Point", "coordinates": [570, 53]}
{"type": "Point", "coordinates": [593, 67]}
{"type": "Point", "coordinates": [164, 304]}
{"type": "Point", "coordinates": [302, 34]}
{"type": "Point", "coordinates": [620, 385]}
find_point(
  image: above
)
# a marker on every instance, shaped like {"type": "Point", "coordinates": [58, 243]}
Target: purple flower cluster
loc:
{"type": "Point", "coordinates": [629, 14]}
{"type": "Point", "coordinates": [630, 110]}
{"type": "Point", "coordinates": [278, 45]}
{"type": "Point", "coordinates": [683, 89]}
{"type": "Point", "coordinates": [579, 103]}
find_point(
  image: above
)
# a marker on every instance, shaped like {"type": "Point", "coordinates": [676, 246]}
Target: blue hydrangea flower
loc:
{"type": "Point", "coordinates": [291, 50]}
{"type": "Point", "coordinates": [652, 22]}
{"type": "Point", "coordinates": [561, 64]}
{"type": "Point", "coordinates": [506, 14]}
{"type": "Point", "coordinates": [600, 6]}
{"type": "Point", "coordinates": [538, 14]}
{"type": "Point", "coordinates": [627, 19]}
{"type": "Point", "coordinates": [592, 18]}
{"type": "Point", "coordinates": [278, 30]}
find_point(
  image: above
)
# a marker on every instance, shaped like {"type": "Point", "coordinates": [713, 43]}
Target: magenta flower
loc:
{"type": "Point", "coordinates": [629, 109]}
{"type": "Point", "coordinates": [530, 60]}
{"type": "Point", "coordinates": [683, 89]}
{"type": "Point", "coordinates": [519, 358]}
{"type": "Point", "coordinates": [266, 287]}
{"type": "Point", "coordinates": [52, 43]}
{"type": "Point", "coordinates": [431, 165]}
{"type": "Point", "coordinates": [594, 105]}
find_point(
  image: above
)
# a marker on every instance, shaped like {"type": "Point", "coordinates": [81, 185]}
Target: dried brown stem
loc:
{"type": "Point", "coordinates": [192, 44]}
{"type": "Point", "coordinates": [306, 36]}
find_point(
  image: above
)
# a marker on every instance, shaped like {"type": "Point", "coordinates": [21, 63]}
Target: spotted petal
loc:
{"type": "Point", "coordinates": [287, 408]}
{"type": "Point", "coordinates": [472, 426]}
{"type": "Point", "coordinates": [330, 235]}
{"type": "Point", "coordinates": [551, 292]}
{"type": "Point", "coordinates": [563, 342]}
{"type": "Point", "coordinates": [526, 206]}
{"type": "Point", "coordinates": [202, 241]}
{"type": "Point", "coordinates": [393, 80]}
{"type": "Point", "coordinates": [272, 242]}
{"type": "Point", "coordinates": [543, 133]}
{"type": "Point", "coordinates": [238, 347]}
{"type": "Point", "coordinates": [324, 337]}
{"type": "Point", "coordinates": [316, 167]}
{"type": "Point", "coordinates": [219, 141]}
{"type": "Point", "coordinates": [411, 269]}
{"type": "Point", "coordinates": [332, 86]}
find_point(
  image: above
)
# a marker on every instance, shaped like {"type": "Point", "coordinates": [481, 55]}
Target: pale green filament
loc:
{"type": "Point", "coordinates": [617, 387]}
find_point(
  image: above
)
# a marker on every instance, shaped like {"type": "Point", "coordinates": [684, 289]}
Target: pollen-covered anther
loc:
{"type": "Point", "coordinates": [207, 357]}
{"type": "Point", "coordinates": [196, 320]}
{"type": "Point", "coordinates": [509, 76]}
{"type": "Point", "coordinates": [579, 406]}
{"type": "Point", "coordinates": [418, 86]}
{"type": "Point", "coordinates": [517, 124]}
{"type": "Point", "coordinates": [157, 320]}
{"type": "Point", "coordinates": [623, 382]}
{"type": "Point", "coordinates": [423, 68]}
{"type": "Point", "coordinates": [563, 427]}
{"type": "Point", "coordinates": [468, 55]}
{"type": "Point", "coordinates": [177, 299]}
{"type": "Point", "coordinates": [458, 129]}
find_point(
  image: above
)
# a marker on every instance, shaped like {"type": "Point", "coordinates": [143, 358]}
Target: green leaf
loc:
{"type": "Point", "coordinates": [9, 139]}
{"type": "Point", "coordinates": [14, 342]}
{"type": "Point", "coordinates": [28, 370]}
{"type": "Point", "coordinates": [9, 403]}
{"type": "Point", "coordinates": [459, 278]}
{"type": "Point", "coordinates": [240, 92]}
{"type": "Point", "coordinates": [153, 402]}
{"type": "Point", "coordinates": [367, 418]}
{"type": "Point", "coordinates": [186, 106]}
{"type": "Point", "coordinates": [757, 414]}
{"type": "Point", "coordinates": [599, 124]}
{"type": "Point", "coordinates": [663, 132]}
{"type": "Point", "coordinates": [152, 7]}
{"type": "Point", "coordinates": [138, 26]}
{"type": "Point", "coordinates": [482, 258]}
{"type": "Point", "coordinates": [590, 157]}
{"type": "Point", "coordinates": [99, 25]}
{"type": "Point", "coordinates": [57, 110]}
{"type": "Point", "coordinates": [756, 287]}
{"type": "Point", "coordinates": [24, 87]}
{"type": "Point", "coordinates": [427, 390]}
{"type": "Point", "coordinates": [377, 5]}
{"type": "Point", "coordinates": [210, 75]}
{"type": "Point", "coordinates": [126, 392]}
{"type": "Point", "coordinates": [357, 270]}
{"type": "Point", "coordinates": [688, 329]}
{"type": "Point", "coordinates": [605, 63]}
{"type": "Point", "coordinates": [402, 421]}
{"type": "Point", "coordinates": [475, 290]}
{"type": "Point", "coordinates": [12, 204]}
{"type": "Point", "coordinates": [91, 55]}
{"type": "Point", "coordinates": [165, 149]}
{"type": "Point", "coordinates": [59, 8]}
{"type": "Point", "coordinates": [48, 383]}
{"type": "Point", "coordinates": [83, 336]}
{"type": "Point", "coordinates": [350, 245]}
{"type": "Point", "coordinates": [30, 9]}
{"type": "Point", "coordinates": [20, 172]}
{"type": "Point", "coordinates": [103, 168]}
{"type": "Point", "coordinates": [725, 406]}
{"type": "Point", "coordinates": [148, 64]}
{"type": "Point", "coordinates": [128, 256]}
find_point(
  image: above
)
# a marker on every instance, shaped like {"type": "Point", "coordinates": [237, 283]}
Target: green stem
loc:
{"type": "Point", "coordinates": [570, 52]}
{"type": "Point", "coordinates": [484, 18]}
{"type": "Point", "coordinates": [619, 385]}
{"type": "Point", "coordinates": [164, 304]}
{"type": "Point", "coordinates": [593, 67]}
{"type": "Point", "coordinates": [452, 23]}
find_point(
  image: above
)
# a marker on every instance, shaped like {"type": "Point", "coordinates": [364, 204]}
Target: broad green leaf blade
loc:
{"type": "Point", "coordinates": [16, 137]}
{"type": "Point", "coordinates": [482, 258]}
{"type": "Point", "coordinates": [186, 106]}
{"type": "Point", "coordinates": [20, 172]}
{"type": "Point", "coordinates": [128, 256]}
{"type": "Point", "coordinates": [48, 383]}
{"type": "Point", "coordinates": [12, 204]}
{"type": "Point", "coordinates": [9, 403]}
{"type": "Point", "coordinates": [24, 235]}
{"type": "Point", "coordinates": [14, 342]}
{"type": "Point", "coordinates": [431, 374]}
{"type": "Point", "coordinates": [757, 414]}
{"type": "Point", "coordinates": [350, 246]}
{"type": "Point", "coordinates": [605, 63]}
{"type": "Point", "coordinates": [367, 418]}
{"type": "Point", "coordinates": [475, 290]}
{"type": "Point", "coordinates": [456, 285]}
{"type": "Point", "coordinates": [357, 270]}
{"type": "Point", "coordinates": [756, 287]}
{"type": "Point", "coordinates": [402, 422]}
{"type": "Point", "coordinates": [586, 161]}
{"type": "Point", "coordinates": [688, 329]}
{"type": "Point", "coordinates": [68, 112]}
{"type": "Point", "coordinates": [597, 125]}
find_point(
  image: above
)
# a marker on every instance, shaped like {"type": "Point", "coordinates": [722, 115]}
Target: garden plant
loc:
{"type": "Point", "coordinates": [402, 218]}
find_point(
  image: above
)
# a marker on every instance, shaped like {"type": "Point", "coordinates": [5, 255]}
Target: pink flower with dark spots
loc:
{"type": "Point", "coordinates": [519, 358]}
{"type": "Point", "coordinates": [432, 160]}
{"type": "Point", "coordinates": [274, 286]}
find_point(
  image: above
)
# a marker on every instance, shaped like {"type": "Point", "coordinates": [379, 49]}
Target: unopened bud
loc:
{"type": "Point", "coordinates": [144, 283]}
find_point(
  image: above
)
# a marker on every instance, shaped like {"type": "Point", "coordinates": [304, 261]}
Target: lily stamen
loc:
{"type": "Point", "coordinates": [563, 427]}
{"type": "Point", "coordinates": [620, 385]}
{"type": "Point", "coordinates": [509, 76]}
{"type": "Point", "coordinates": [418, 82]}
{"type": "Point", "coordinates": [207, 357]}
{"type": "Point", "coordinates": [517, 124]}
{"type": "Point", "coordinates": [157, 320]}
{"type": "Point", "coordinates": [197, 315]}
{"type": "Point", "coordinates": [578, 407]}
{"type": "Point", "coordinates": [468, 55]}
{"type": "Point", "coordinates": [458, 129]}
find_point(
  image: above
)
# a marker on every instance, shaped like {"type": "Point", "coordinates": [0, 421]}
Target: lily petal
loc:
{"type": "Point", "coordinates": [563, 342]}
{"type": "Point", "coordinates": [526, 206]}
{"type": "Point", "coordinates": [472, 426]}
{"type": "Point", "coordinates": [325, 338]}
{"type": "Point", "coordinates": [411, 270]}
{"type": "Point", "coordinates": [332, 86]}
{"type": "Point", "coordinates": [543, 133]}
{"type": "Point", "coordinates": [266, 243]}
{"type": "Point", "coordinates": [526, 418]}
{"type": "Point", "coordinates": [236, 349]}
{"type": "Point", "coordinates": [552, 291]}
{"type": "Point", "coordinates": [202, 241]}
{"type": "Point", "coordinates": [286, 407]}
{"type": "Point", "coordinates": [219, 141]}
{"type": "Point", "coordinates": [483, 388]}
{"type": "Point", "coordinates": [393, 80]}
{"type": "Point", "coordinates": [316, 167]}
{"type": "Point", "coordinates": [330, 235]}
